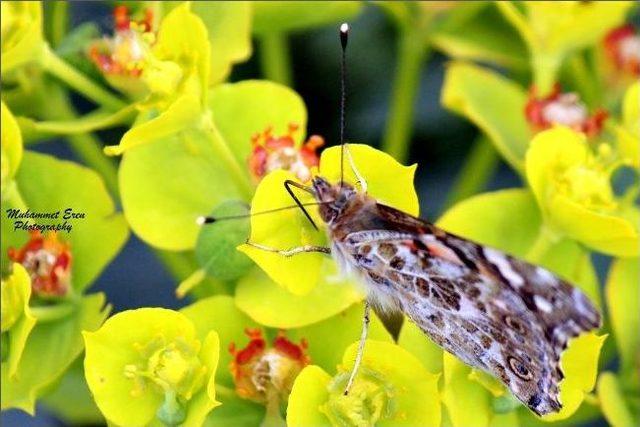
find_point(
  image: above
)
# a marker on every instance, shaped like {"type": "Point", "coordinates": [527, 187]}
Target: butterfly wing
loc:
{"type": "Point", "coordinates": [495, 312]}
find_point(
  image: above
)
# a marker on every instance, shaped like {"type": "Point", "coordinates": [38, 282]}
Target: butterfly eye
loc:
{"type": "Point", "coordinates": [518, 368]}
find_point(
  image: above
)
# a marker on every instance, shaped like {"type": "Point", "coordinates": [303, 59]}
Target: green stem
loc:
{"type": "Point", "coordinates": [518, 20]}
{"type": "Point", "coordinates": [178, 264]}
{"type": "Point", "coordinates": [86, 146]}
{"type": "Point", "coordinates": [476, 171]}
{"type": "Point", "coordinates": [58, 12]}
{"type": "Point", "coordinates": [237, 172]}
{"type": "Point", "coordinates": [53, 312]}
{"type": "Point", "coordinates": [225, 392]}
{"type": "Point", "coordinates": [13, 197]}
{"type": "Point", "coordinates": [411, 53]}
{"type": "Point", "coordinates": [541, 245]}
{"type": "Point", "coordinates": [275, 60]}
{"type": "Point", "coordinates": [79, 82]}
{"type": "Point", "coordinates": [583, 79]}
{"type": "Point", "coordinates": [91, 122]}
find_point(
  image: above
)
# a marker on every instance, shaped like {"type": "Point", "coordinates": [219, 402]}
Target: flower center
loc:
{"type": "Point", "coordinates": [279, 152]}
{"type": "Point", "coordinates": [589, 187]}
{"type": "Point", "coordinates": [370, 400]}
{"type": "Point", "coordinates": [48, 262]}
{"type": "Point", "coordinates": [263, 374]}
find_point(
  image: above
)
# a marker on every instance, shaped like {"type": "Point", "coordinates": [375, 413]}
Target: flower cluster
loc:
{"type": "Point", "coordinates": [262, 374]}
{"type": "Point", "coordinates": [622, 46]}
{"type": "Point", "coordinates": [48, 262]}
{"type": "Point", "coordinates": [271, 152]}
{"type": "Point", "coordinates": [126, 51]}
{"type": "Point", "coordinates": [560, 108]}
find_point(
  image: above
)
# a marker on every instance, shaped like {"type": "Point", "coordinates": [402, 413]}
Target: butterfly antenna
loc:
{"type": "Point", "coordinates": [203, 220]}
{"type": "Point", "coordinates": [344, 38]}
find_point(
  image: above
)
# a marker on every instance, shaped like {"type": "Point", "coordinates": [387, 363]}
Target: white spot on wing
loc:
{"type": "Point", "coordinates": [504, 266]}
{"type": "Point", "coordinates": [542, 304]}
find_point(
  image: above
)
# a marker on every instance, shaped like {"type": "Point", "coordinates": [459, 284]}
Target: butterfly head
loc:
{"type": "Point", "coordinates": [334, 198]}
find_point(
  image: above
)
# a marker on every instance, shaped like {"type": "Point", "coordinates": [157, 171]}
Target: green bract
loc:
{"type": "Point", "coordinates": [278, 16]}
{"type": "Point", "coordinates": [573, 189]}
{"type": "Point", "coordinates": [466, 91]}
{"type": "Point", "coordinates": [287, 229]}
{"type": "Point", "coordinates": [629, 133]}
{"type": "Point", "coordinates": [392, 388]}
{"type": "Point", "coordinates": [47, 184]}
{"type": "Point", "coordinates": [272, 305]}
{"type": "Point", "coordinates": [11, 149]}
{"type": "Point", "coordinates": [160, 368]}
{"type": "Point", "coordinates": [22, 40]}
{"type": "Point", "coordinates": [189, 173]}
{"type": "Point", "coordinates": [17, 321]}
{"type": "Point", "coordinates": [554, 30]}
{"type": "Point", "coordinates": [50, 348]}
{"type": "Point", "coordinates": [612, 401]}
{"type": "Point", "coordinates": [623, 300]}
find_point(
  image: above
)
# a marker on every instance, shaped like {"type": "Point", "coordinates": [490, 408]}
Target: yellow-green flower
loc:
{"type": "Point", "coordinates": [150, 363]}
{"type": "Point", "coordinates": [287, 229]}
{"type": "Point", "coordinates": [392, 388]}
{"type": "Point", "coordinates": [573, 188]}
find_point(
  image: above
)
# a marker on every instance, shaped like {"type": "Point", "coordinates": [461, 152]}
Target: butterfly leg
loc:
{"type": "Point", "coordinates": [291, 251]}
{"type": "Point", "coordinates": [363, 339]}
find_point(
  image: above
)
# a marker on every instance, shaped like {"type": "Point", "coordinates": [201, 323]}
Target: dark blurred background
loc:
{"type": "Point", "coordinates": [439, 145]}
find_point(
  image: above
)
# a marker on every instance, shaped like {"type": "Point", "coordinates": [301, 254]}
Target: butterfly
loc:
{"type": "Point", "coordinates": [497, 313]}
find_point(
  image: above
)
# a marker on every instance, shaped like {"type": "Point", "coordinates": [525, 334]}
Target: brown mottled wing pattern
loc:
{"type": "Point", "coordinates": [495, 312]}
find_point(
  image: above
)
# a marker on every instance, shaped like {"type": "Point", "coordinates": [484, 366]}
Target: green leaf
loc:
{"type": "Point", "coordinates": [229, 28]}
{"type": "Point", "coordinates": [17, 320]}
{"type": "Point", "coordinates": [494, 104]}
{"type": "Point", "coordinates": [50, 349]}
{"type": "Point", "coordinates": [166, 185]}
{"type": "Point", "coordinates": [339, 330]}
{"type": "Point", "coordinates": [612, 402]}
{"type": "Point", "coordinates": [122, 365]}
{"type": "Point", "coordinates": [216, 245]}
{"type": "Point", "coordinates": [49, 185]}
{"type": "Point", "coordinates": [623, 301]}
{"type": "Point", "coordinates": [240, 110]}
{"type": "Point", "coordinates": [279, 16]}
{"type": "Point", "coordinates": [22, 40]}
{"type": "Point", "coordinates": [271, 305]}
{"type": "Point", "coordinates": [11, 147]}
